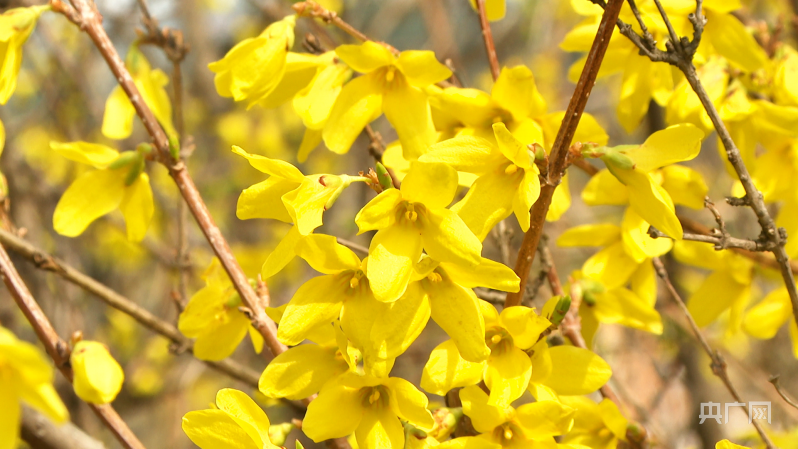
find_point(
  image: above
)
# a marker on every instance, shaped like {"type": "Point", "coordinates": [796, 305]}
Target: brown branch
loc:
{"type": "Point", "coordinates": [90, 21]}
{"type": "Point", "coordinates": [559, 152]}
{"type": "Point", "coordinates": [718, 364]}
{"type": "Point", "coordinates": [59, 349]}
{"type": "Point", "coordinates": [487, 36]}
{"type": "Point", "coordinates": [720, 242]}
{"type": "Point", "coordinates": [775, 381]}
{"type": "Point", "coordinates": [41, 433]}
{"type": "Point", "coordinates": [314, 10]}
{"type": "Point", "coordinates": [47, 262]}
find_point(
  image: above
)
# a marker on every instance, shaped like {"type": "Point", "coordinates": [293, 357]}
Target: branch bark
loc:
{"type": "Point", "coordinates": [41, 433]}
{"type": "Point", "coordinates": [559, 152]}
{"type": "Point", "coordinates": [59, 349]}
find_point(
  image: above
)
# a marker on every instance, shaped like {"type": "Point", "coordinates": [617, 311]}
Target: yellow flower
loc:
{"type": "Point", "coordinates": [764, 319]}
{"type": "Point", "coordinates": [508, 178]}
{"type": "Point", "coordinates": [538, 422]}
{"type": "Point", "coordinates": [494, 9]}
{"type": "Point", "coordinates": [508, 368]}
{"type": "Point", "coordinates": [728, 287]}
{"type": "Point", "coordinates": [565, 371]}
{"type": "Point", "coordinates": [16, 24]}
{"type": "Point", "coordinates": [97, 376]}
{"type": "Point", "coordinates": [632, 164]}
{"type": "Point", "coordinates": [237, 422]}
{"type": "Point", "coordinates": [598, 426]}
{"type": "Point", "coordinates": [119, 182]}
{"type": "Point", "coordinates": [254, 68]}
{"type": "Point", "coordinates": [409, 219]}
{"type": "Point", "coordinates": [212, 317]}
{"type": "Point", "coordinates": [119, 111]}
{"type": "Point", "coordinates": [369, 407]}
{"type": "Point", "coordinates": [25, 376]}
{"type": "Point", "coordinates": [391, 85]}
{"type": "Point", "coordinates": [726, 444]}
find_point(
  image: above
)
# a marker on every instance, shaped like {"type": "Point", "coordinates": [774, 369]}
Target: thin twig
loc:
{"type": "Point", "coordinates": [775, 381]}
{"type": "Point", "coordinates": [59, 349]}
{"type": "Point", "coordinates": [313, 9]}
{"type": "Point", "coordinates": [559, 152]}
{"type": "Point", "coordinates": [719, 242]}
{"type": "Point", "coordinates": [718, 364]}
{"type": "Point", "coordinates": [47, 262]}
{"type": "Point", "coordinates": [487, 36]}
{"type": "Point", "coordinates": [40, 432]}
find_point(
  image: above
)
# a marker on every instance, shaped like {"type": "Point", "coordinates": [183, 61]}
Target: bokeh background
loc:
{"type": "Point", "coordinates": [61, 95]}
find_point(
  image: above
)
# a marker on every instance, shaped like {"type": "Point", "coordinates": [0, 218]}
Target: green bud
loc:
{"type": "Point", "coordinates": [618, 159]}
{"type": "Point", "coordinates": [233, 301]}
{"type": "Point", "coordinates": [560, 310]}
{"type": "Point", "coordinates": [384, 177]}
{"type": "Point", "coordinates": [589, 299]}
{"type": "Point", "coordinates": [174, 147]}
{"type": "Point", "coordinates": [144, 148]}
{"type": "Point", "coordinates": [279, 432]}
{"type": "Point", "coordinates": [446, 420]}
{"type": "Point", "coordinates": [299, 445]}
{"type": "Point", "coordinates": [135, 169]}
{"type": "Point", "coordinates": [124, 160]}
{"type": "Point", "coordinates": [540, 153]}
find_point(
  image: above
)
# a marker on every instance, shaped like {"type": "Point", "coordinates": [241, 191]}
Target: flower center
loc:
{"type": "Point", "coordinates": [498, 340]}
{"type": "Point", "coordinates": [512, 168]}
{"type": "Point", "coordinates": [376, 396]}
{"type": "Point", "coordinates": [354, 281]}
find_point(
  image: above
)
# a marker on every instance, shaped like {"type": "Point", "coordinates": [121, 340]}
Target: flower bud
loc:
{"type": "Point", "coordinates": [97, 376]}
{"type": "Point", "coordinates": [562, 307]}
{"type": "Point", "coordinates": [279, 432]}
{"type": "Point", "coordinates": [383, 177]}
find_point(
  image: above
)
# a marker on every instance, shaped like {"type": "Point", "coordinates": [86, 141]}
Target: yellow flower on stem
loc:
{"type": "Point", "coordinates": [25, 377]}
{"type": "Point", "coordinates": [370, 407]}
{"type": "Point", "coordinates": [632, 164]}
{"type": "Point", "coordinates": [119, 182]}
{"type": "Point", "coordinates": [599, 426]}
{"type": "Point", "coordinates": [238, 422]}
{"type": "Point", "coordinates": [16, 24]}
{"type": "Point", "coordinates": [409, 219]}
{"type": "Point", "coordinates": [97, 376]}
{"type": "Point", "coordinates": [494, 9]}
{"type": "Point", "coordinates": [766, 318]}
{"type": "Point", "coordinates": [529, 426]}
{"type": "Point", "coordinates": [119, 111]}
{"type": "Point", "coordinates": [254, 68]}
{"type": "Point", "coordinates": [508, 179]}
{"type": "Point", "coordinates": [507, 370]}
{"type": "Point", "coordinates": [212, 317]}
{"type": "Point", "coordinates": [392, 85]}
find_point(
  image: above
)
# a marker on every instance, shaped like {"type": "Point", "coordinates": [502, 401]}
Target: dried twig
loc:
{"type": "Point", "coordinates": [775, 381]}
{"type": "Point", "coordinates": [313, 9]}
{"type": "Point", "coordinates": [718, 364]}
{"type": "Point", "coordinates": [59, 349]}
{"type": "Point", "coordinates": [487, 36]}
{"type": "Point", "coordinates": [559, 152]}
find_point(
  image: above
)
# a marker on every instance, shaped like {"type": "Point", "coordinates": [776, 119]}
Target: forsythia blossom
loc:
{"type": "Point", "coordinates": [97, 376]}
{"type": "Point", "coordinates": [16, 24]}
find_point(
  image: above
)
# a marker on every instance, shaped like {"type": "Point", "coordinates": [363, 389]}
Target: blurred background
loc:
{"type": "Point", "coordinates": [61, 95]}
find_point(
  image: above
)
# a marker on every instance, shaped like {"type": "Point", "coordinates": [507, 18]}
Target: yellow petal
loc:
{"type": "Point", "coordinates": [300, 70]}
{"type": "Point", "coordinates": [676, 143]}
{"type": "Point", "coordinates": [604, 188]}
{"type": "Point", "coordinates": [273, 167]}
{"type": "Point", "coordinates": [380, 212]}
{"type": "Point", "coordinates": [765, 319]}
{"type": "Point", "coordinates": [464, 153]}
{"type": "Point", "coordinates": [524, 324]}
{"type": "Point", "coordinates": [635, 91]}
{"type": "Point", "coordinates": [456, 311]}
{"type": "Point", "coordinates": [430, 183]}
{"type": "Point", "coordinates": [97, 376]}
{"type": "Point", "coordinates": [590, 235]}
{"type": "Point", "coordinates": [9, 415]}
{"type": "Point", "coordinates": [315, 102]}
{"type": "Point", "coordinates": [365, 57]}
{"type": "Point", "coordinates": [310, 140]}
{"type": "Point", "coordinates": [392, 253]}
{"type": "Point", "coordinates": [484, 416]}
{"type": "Point", "coordinates": [137, 207]}
{"type": "Point", "coordinates": [94, 154]}
{"type": "Point", "coordinates": [224, 339]}
{"type": "Point", "coordinates": [358, 104]}
{"type": "Point", "coordinates": [685, 186]}
{"type": "Point", "coordinates": [421, 68]}
{"type": "Point", "coordinates": [336, 400]}
{"type": "Point", "coordinates": [515, 90]}
{"type": "Point", "coordinates": [488, 273]}
{"type": "Point", "coordinates": [401, 322]}
{"type": "Point", "coordinates": [494, 9]}
{"type": "Point", "coordinates": [215, 429]}
{"type": "Point", "coordinates": [247, 414]}
{"type": "Point", "coordinates": [316, 302]}
{"type": "Point", "coordinates": [380, 429]}
{"type": "Point", "coordinates": [613, 418]}
{"type": "Point", "coordinates": [636, 241]}
{"type": "Point", "coordinates": [576, 371]}
{"type": "Point", "coordinates": [265, 200]}
{"type": "Point", "coordinates": [408, 403]}
{"type": "Point", "coordinates": [507, 376]}
{"type": "Point", "coordinates": [718, 292]}
{"type": "Point", "coordinates": [528, 192]}
{"type": "Point", "coordinates": [622, 306]}
{"type": "Point", "coordinates": [650, 201]}
{"type": "Point", "coordinates": [446, 238]}
{"type": "Point", "coordinates": [282, 254]}
{"type": "Point", "coordinates": [446, 370]}
{"type": "Point", "coordinates": [488, 201]}
{"type": "Point", "coordinates": [545, 419]}
{"type": "Point", "coordinates": [91, 196]}
{"type": "Point", "coordinates": [326, 255]}
{"type": "Point", "coordinates": [408, 110]}
{"type": "Point", "coordinates": [300, 371]}
{"type": "Point", "coordinates": [307, 203]}
{"type": "Point", "coordinates": [510, 147]}
{"type": "Point", "coordinates": [730, 38]}
{"type": "Point", "coordinates": [611, 266]}
{"type": "Point", "coordinates": [560, 201]}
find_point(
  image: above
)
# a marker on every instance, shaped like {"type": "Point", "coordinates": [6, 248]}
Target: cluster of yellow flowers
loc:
{"type": "Point", "coordinates": [425, 258]}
